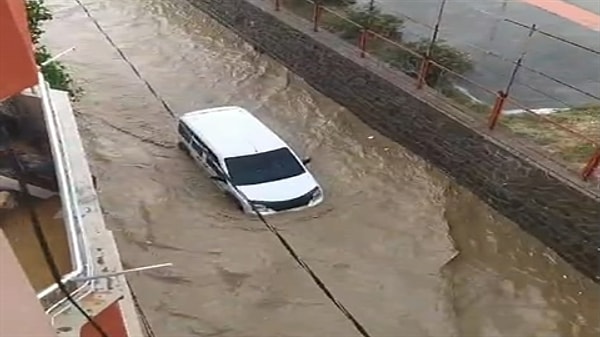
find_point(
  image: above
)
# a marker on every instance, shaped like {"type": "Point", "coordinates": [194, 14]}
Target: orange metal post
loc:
{"type": "Point", "coordinates": [110, 320]}
{"type": "Point", "coordinates": [316, 16]}
{"type": "Point", "coordinates": [362, 42]}
{"type": "Point", "coordinates": [497, 109]}
{"type": "Point", "coordinates": [277, 5]}
{"type": "Point", "coordinates": [592, 165]}
{"type": "Point", "coordinates": [423, 72]}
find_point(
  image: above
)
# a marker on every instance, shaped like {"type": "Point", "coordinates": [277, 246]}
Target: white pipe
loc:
{"type": "Point", "coordinates": [122, 272]}
{"type": "Point", "coordinates": [71, 214]}
{"type": "Point", "coordinates": [78, 225]}
{"type": "Point", "coordinates": [56, 148]}
{"type": "Point", "coordinates": [56, 57]}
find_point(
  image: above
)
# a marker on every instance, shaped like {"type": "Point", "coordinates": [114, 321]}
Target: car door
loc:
{"type": "Point", "coordinates": [186, 135]}
{"type": "Point", "coordinates": [209, 161]}
{"type": "Point", "coordinates": [214, 168]}
{"type": "Point", "coordinates": [198, 152]}
{"type": "Point", "coordinates": [192, 142]}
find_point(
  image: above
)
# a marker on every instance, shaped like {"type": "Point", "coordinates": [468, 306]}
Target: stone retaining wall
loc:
{"type": "Point", "coordinates": [543, 198]}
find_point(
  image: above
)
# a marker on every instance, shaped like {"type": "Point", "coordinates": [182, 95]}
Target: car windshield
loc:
{"type": "Point", "coordinates": [263, 167]}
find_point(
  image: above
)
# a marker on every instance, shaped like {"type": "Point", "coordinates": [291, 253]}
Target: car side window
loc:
{"type": "Point", "coordinates": [200, 146]}
{"type": "Point", "coordinates": [184, 131]}
{"type": "Point", "coordinates": [211, 158]}
{"type": "Point", "coordinates": [197, 147]}
{"type": "Point", "coordinates": [214, 164]}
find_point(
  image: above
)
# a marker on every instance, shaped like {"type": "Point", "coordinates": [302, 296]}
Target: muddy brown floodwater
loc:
{"type": "Point", "coordinates": [383, 241]}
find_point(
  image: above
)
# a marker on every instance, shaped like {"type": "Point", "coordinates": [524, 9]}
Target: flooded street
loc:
{"type": "Point", "coordinates": [384, 241]}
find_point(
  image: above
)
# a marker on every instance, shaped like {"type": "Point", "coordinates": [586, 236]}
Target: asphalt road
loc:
{"type": "Point", "coordinates": [477, 27]}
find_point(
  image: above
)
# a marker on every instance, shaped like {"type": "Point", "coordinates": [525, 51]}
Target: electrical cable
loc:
{"type": "Point", "coordinates": [316, 279]}
{"type": "Point", "coordinates": [556, 37]}
{"type": "Point", "coordinates": [145, 322]}
{"type": "Point", "coordinates": [39, 233]}
{"type": "Point", "coordinates": [547, 34]}
{"type": "Point", "coordinates": [124, 58]}
{"type": "Point", "coordinates": [533, 70]}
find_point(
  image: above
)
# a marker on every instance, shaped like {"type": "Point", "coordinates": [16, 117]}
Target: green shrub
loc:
{"type": "Point", "coordinates": [442, 53]}
{"type": "Point", "coordinates": [337, 3]}
{"type": "Point", "coordinates": [55, 72]}
{"type": "Point", "coordinates": [372, 18]}
{"type": "Point", "coordinates": [332, 3]}
{"type": "Point", "coordinates": [37, 14]}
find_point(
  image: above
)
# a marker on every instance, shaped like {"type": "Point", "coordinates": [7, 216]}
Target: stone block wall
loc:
{"type": "Point", "coordinates": [539, 195]}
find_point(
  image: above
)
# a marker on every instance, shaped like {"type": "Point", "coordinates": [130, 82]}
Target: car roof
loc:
{"type": "Point", "coordinates": [232, 131]}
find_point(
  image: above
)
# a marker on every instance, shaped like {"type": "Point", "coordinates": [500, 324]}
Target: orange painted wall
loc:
{"type": "Point", "coordinates": [21, 314]}
{"type": "Point", "coordinates": [111, 321]}
{"type": "Point", "coordinates": [18, 70]}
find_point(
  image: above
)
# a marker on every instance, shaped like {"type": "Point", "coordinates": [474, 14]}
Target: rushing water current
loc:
{"type": "Point", "coordinates": [407, 251]}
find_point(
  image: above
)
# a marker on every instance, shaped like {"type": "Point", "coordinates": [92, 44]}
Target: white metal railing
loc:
{"type": "Point", "coordinates": [72, 215]}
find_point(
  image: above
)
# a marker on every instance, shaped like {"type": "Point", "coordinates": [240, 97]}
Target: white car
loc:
{"type": "Point", "coordinates": [248, 161]}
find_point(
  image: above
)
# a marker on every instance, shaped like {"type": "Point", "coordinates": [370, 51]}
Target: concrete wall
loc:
{"type": "Point", "coordinates": [524, 186]}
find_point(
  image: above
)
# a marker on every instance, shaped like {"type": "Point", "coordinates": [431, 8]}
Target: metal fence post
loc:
{"type": "Point", "coordinates": [362, 42]}
{"type": "Point", "coordinates": [497, 109]}
{"type": "Point", "coordinates": [426, 63]}
{"type": "Point", "coordinates": [316, 15]}
{"type": "Point", "coordinates": [364, 33]}
{"type": "Point", "coordinates": [519, 62]}
{"type": "Point", "coordinates": [592, 165]}
{"type": "Point", "coordinates": [423, 72]}
{"type": "Point", "coordinates": [503, 95]}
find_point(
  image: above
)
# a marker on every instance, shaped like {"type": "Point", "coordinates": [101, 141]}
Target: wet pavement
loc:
{"type": "Point", "coordinates": [384, 241]}
{"type": "Point", "coordinates": [494, 44]}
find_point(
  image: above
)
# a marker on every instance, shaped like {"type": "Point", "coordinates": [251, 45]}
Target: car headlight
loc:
{"type": "Point", "coordinates": [259, 207]}
{"type": "Point", "coordinates": [317, 193]}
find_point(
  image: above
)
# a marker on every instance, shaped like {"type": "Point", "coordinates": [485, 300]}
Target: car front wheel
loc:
{"type": "Point", "coordinates": [183, 148]}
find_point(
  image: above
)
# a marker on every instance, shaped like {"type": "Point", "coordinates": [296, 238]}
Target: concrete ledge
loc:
{"type": "Point", "coordinates": [541, 196]}
{"type": "Point", "coordinates": [102, 246]}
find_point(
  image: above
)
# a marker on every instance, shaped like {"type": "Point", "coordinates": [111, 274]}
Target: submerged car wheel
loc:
{"type": "Point", "coordinates": [183, 148]}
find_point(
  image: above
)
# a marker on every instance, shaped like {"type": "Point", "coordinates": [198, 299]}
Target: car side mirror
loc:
{"type": "Point", "coordinates": [217, 178]}
{"type": "Point", "coordinates": [306, 161]}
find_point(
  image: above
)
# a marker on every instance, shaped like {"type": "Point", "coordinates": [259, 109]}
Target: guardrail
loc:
{"type": "Point", "coordinates": [51, 297]}
{"type": "Point", "coordinates": [430, 66]}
